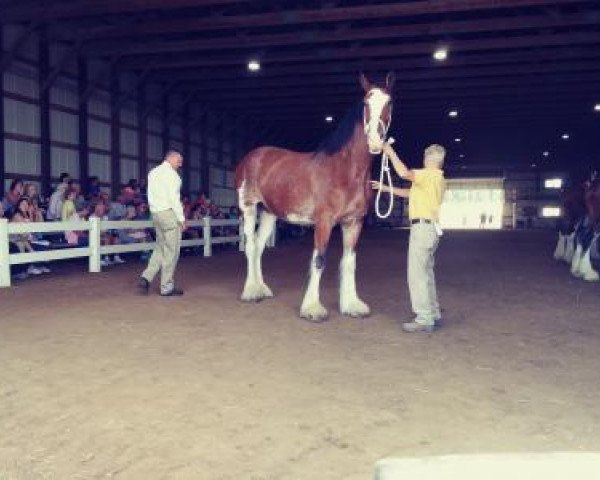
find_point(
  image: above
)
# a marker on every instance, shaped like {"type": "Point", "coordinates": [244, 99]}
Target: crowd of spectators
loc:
{"type": "Point", "coordinates": [71, 201]}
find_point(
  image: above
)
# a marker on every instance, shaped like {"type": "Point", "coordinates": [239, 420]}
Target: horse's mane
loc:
{"type": "Point", "coordinates": [334, 142]}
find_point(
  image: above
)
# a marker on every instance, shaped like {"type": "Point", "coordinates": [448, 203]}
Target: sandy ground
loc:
{"type": "Point", "coordinates": [97, 382]}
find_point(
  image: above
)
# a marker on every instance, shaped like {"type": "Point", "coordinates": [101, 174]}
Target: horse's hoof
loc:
{"type": "Point", "coordinates": [256, 293]}
{"type": "Point", "coordinates": [314, 313]}
{"type": "Point", "coordinates": [356, 309]}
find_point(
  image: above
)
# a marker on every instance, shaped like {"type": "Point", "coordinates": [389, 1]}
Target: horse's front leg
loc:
{"type": "Point", "coordinates": [311, 308]}
{"type": "Point", "coordinates": [350, 304]}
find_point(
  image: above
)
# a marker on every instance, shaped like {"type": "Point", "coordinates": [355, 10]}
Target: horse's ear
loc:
{"type": "Point", "coordinates": [390, 80]}
{"type": "Point", "coordinates": [364, 82]}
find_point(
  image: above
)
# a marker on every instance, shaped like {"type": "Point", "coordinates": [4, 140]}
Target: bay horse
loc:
{"type": "Point", "coordinates": [573, 215]}
{"type": "Point", "coordinates": [323, 188]}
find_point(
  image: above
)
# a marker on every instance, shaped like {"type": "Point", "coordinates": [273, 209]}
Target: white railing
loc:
{"type": "Point", "coordinates": [95, 250]}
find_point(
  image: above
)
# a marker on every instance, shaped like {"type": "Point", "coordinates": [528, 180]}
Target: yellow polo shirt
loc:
{"type": "Point", "coordinates": [426, 194]}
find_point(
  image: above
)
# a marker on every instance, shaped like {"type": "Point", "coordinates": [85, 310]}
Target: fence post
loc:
{"type": "Point", "coordinates": [207, 235]}
{"type": "Point", "coordinates": [241, 234]}
{"type": "Point", "coordinates": [4, 254]}
{"type": "Point", "coordinates": [94, 245]}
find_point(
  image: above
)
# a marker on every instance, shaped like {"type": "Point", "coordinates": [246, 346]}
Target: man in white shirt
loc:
{"type": "Point", "coordinates": [164, 185]}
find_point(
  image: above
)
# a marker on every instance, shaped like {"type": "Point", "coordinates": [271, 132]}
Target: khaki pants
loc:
{"type": "Point", "coordinates": [423, 243]}
{"type": "Point", "coordinates": [166, 253]}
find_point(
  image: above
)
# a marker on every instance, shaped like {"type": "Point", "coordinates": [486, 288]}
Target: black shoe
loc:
{"type": "Point", "coordinates": [143, 285]}
{"type": "Point", "coordinates": [176, 292]}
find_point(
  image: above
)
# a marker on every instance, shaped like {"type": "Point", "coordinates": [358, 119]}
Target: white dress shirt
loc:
{"type": "Point", "coordinates": [164, 185]}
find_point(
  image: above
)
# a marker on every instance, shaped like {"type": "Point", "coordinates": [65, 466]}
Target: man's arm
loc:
{"type": "Point", "coordinates": [398, 192]}
{"type": "Point", "coordinates": [175, 188]}
{"type": "Point", "coordinates": [399, 166]}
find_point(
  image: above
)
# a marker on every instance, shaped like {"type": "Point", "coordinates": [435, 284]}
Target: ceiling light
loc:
{"type": "Point", "coordinates": [457, 140]}
{"type": "Point", "coordinates": [565, 136]}
{"type": "Point", "coordinates": [461, 155]}
{"type": "Point", "coordinates": [254, 65]}
{"type": "Point", "coordinates": [453, 113]}
{"type": "Point", "coordinates": [546, 153]}
{"type": "Point", "coordinates": [597, 107]}
{"type": "Point", "coordinates": [440, 54]}
{"type": "Point", "coordinates": [533, 165]}
{"type": "Point", "coordinates": [329, 119]}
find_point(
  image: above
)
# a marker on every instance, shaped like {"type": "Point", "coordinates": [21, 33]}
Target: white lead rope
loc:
{"type": "Point", "coordinates": [385, 173]}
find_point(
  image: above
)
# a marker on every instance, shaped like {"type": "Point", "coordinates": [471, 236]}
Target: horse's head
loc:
{"type": "Point", "coordinates": [378, 111]}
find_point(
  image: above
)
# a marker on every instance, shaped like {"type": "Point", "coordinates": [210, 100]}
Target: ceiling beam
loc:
{"type": "Point", "coordinates": [80, 9]}
{"type": "Point", "coordinates": [405, 78]}
{"type": "Point", "coordinates": [412, 48]}
{"type": "Point", "coordinates": [313, 36]}
{"type": "Point", "coordinates": [321, 15]}
{"type": "Point", "coordinates": [402, 65]}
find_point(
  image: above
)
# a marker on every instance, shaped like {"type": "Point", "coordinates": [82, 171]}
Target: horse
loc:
{"type": "Point", "coordinates": [586, 259]}
{"type": "Point", "coordinates": [323, 188]}
{"type": "Point", "coordinates": [574, 211]}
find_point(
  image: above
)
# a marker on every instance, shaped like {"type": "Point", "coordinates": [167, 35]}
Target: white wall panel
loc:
{"type": "Point", "coordinates": [155, 147]}
{"type": "Point", "coordinates": [64, 127]}
{"type": "Point", "coordinates": [22, 157]}
{"type": "Point", "coordinates": [64, 92]}
{"type": "Point", "coordinates": [195, 181]}
{"type": "Point", "coordinates": [98, 134]}
{"type": "Point", "coordinates": [64, 160]}
{"type": "Point", "coordinates": [155, 123]}
{"type": "Point", "coordinates": [129, 169]}
{"type": "Point", "coordinates": [22, 79]}
{"type": "Point", "coordinates": [195, 156]}
{"type": "Point", "coordinates": [99, 104]}
{"type": "Point", "coordinates": [21, 118]}
{"type": "Point", "coordinates": [99, 166]}
{"type": "Point", "coordinates": [129, 141]}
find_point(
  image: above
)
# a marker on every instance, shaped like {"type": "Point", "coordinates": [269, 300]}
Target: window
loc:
{"type": "Point", "coordinates": [553, 183]}
{"type": "Point", "coordinates": [550, 212]}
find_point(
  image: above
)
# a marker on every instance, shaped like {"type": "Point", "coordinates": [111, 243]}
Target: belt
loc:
{"type": "Point", "coordinates": [420, 220]}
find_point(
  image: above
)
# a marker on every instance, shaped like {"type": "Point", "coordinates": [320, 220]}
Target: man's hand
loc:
{"type": "Point", "coordinates": [183, 225]}
{"type": "Point", "coordinates": [375, 185]}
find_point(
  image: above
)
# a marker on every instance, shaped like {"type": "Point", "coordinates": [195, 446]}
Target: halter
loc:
{"type": "Point", "coordinates": [384, 172]}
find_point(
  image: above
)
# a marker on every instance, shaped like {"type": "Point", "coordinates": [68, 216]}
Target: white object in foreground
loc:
{"type": "Point", "coordinates": [525, 466]}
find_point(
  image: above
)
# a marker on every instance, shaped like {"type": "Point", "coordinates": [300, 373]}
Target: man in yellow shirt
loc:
{"type": "Point", "coordinates": [424, 201]}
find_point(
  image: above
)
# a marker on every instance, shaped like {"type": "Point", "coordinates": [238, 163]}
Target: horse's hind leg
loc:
{"type": "Point", "coordinates": [311, 308]}
{"type": "Point", "coordinates": [350, 304]}
{"type": "Point", "coordinates": [265, 228]}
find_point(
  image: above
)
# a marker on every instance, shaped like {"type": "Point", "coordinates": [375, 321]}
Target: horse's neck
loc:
{"type": "Point", "coordinates": [357, 160]}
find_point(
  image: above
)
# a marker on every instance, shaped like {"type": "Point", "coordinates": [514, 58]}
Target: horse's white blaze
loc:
{"type": "Point", "coordinates": [350, 304]}
{"type": "Point", "coordinates": [376, 100]}
{"type": "Point", "coordinates": [311, 304]}
{"type": "Point", "coordinates": [559, 251]}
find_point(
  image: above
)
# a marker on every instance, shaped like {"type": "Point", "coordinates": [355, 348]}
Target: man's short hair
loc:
{"type": "Point", "coordinates": [171, 153]}
{"type": "Point", "coordinates": [435, 153]}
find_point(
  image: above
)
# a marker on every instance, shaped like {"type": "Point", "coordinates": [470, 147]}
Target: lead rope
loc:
{"type": "Point", "coordinates": [385, 174]}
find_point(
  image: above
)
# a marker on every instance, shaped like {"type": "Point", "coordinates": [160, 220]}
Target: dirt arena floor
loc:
{"type": "Point", "coordinates": [97, 382]}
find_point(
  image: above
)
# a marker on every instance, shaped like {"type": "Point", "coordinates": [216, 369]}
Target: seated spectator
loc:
{"type": "Point", "coordinates": [130, 235]}
{"type": "Point", "coordinates": [107, 237]}
{"type": "Point", "coordinates": [13, 195]}
{"type": "Point", "coordinates": [54, 212]}
{"type": "Point", "coordinates": [93, 188]}
{"type": "Point", "coordinates": [80, 201]}
{"type": "Point", "coordinates": [78, 238]}
{"type": "Point", "coordinates": [23, 240]}
{"type": "Point", "coordinates": [117, 209]}
{"type": "Point", "coordinates": [68, 206]}
{"type": "Point", "coordinates": [36, 212]}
